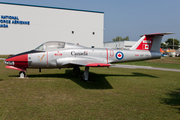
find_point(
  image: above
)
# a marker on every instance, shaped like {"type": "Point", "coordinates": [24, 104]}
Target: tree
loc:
{"type": "Point", "coordinates": [119, 38]}
{"type": "Point", "coordinates": [169, 43]}
{"type": "Point", "coordinates": [126, 38]}
{"type": "Point", "coordinates": [163, 45]}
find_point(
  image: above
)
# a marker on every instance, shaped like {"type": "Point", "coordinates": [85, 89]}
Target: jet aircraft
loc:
{"type": "Point", "coordinates": [56, 54]}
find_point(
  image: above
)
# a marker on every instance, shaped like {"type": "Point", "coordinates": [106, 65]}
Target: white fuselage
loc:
{"type": "Point", "coordinates": [59, 58]}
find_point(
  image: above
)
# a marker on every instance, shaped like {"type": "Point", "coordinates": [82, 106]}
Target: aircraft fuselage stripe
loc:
{"type": "Point", "coordinates": [107, 54]}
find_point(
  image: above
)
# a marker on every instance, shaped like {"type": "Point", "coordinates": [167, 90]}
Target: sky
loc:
{"type": "Point", "coordinates": [123, 18]}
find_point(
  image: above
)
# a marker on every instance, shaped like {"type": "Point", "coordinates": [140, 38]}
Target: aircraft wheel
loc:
{"type": "Point", "coordinates": [22, 74]}
{"type": "Point", "coordinates": [76, 70]}
{"type": "Point", "coordinates": [82, 78]}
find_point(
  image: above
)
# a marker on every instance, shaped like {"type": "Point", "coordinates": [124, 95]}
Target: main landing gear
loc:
{"type": "Point", "coordinates": [22, 74]}
{"type": "Point", "coordinates": [76, 70]}
{"type": "Point", "coordinates": [84, 76]}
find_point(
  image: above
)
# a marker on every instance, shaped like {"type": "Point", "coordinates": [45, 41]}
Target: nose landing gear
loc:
{"type": "Point", "coordinates": [22, 74]}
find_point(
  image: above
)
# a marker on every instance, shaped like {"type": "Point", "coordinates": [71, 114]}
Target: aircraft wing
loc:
{"type": "Point", "coordinates": [82, 61]}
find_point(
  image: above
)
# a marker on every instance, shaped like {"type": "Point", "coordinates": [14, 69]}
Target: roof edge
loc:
{"type": "Point", "coordinates": [50, 7]}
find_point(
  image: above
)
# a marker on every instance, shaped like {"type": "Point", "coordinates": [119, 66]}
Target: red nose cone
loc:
{"type": "Point", "coordinates": [18, 61]}
{"type": "Point", "coordinates": [18, 58]}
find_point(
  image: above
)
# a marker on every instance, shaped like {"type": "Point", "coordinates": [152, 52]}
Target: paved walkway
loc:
{"type": "Point", "coordinates": [144, 67]}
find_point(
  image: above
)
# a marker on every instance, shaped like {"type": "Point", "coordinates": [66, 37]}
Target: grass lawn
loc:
{"type": "Point", "coordinates": [116, 93]}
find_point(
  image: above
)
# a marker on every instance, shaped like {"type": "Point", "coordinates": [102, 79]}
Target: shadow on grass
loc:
{"type": "Point", "coordinates": [1, 79]}
{"type": "Point", "coordinates": [97, 81]}
{"type": "Point", "coordinates": [174, 99]}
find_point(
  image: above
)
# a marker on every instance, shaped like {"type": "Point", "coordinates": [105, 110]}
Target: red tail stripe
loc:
{"type": "Point", "coordinates": [146, 44]}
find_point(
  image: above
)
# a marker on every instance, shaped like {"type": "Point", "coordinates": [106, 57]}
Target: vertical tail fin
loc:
{"type": "Point", "coordinates": [151, 42]}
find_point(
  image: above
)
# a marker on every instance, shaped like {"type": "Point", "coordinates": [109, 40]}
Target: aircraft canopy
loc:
{"type": "Point", "coordinates": [54, 45]}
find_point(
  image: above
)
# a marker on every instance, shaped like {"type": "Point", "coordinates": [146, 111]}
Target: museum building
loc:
{"type": "Point", "coordinates": [24, 27]}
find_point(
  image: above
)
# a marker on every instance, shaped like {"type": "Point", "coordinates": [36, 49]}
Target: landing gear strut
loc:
{"type": "Point", "coordinates": [85, 75]}
{"type": "Point", "coordinates": [22, 74]}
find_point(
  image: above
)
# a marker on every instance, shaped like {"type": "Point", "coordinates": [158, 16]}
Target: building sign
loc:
{"type": "Point", "coordinates": [6, 20]}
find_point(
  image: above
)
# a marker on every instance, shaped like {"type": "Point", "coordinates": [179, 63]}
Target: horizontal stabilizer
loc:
{"type": "Point", "coordinates": [157, 34]}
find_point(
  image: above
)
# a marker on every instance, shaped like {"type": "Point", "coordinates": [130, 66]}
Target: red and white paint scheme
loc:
{"type": "Point", "coordinates": [18, 62]}
{"type": "Point", "coordinates": [146, 43]}
{"type": "Point", "coordinates": [56, 54]}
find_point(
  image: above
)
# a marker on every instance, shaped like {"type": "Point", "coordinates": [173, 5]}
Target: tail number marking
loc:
{"type": "Point", "coordinates": [111, 53]}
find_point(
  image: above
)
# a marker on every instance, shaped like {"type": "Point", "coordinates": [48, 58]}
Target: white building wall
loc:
{"type": "Point", "coordinates": [49, 24]}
